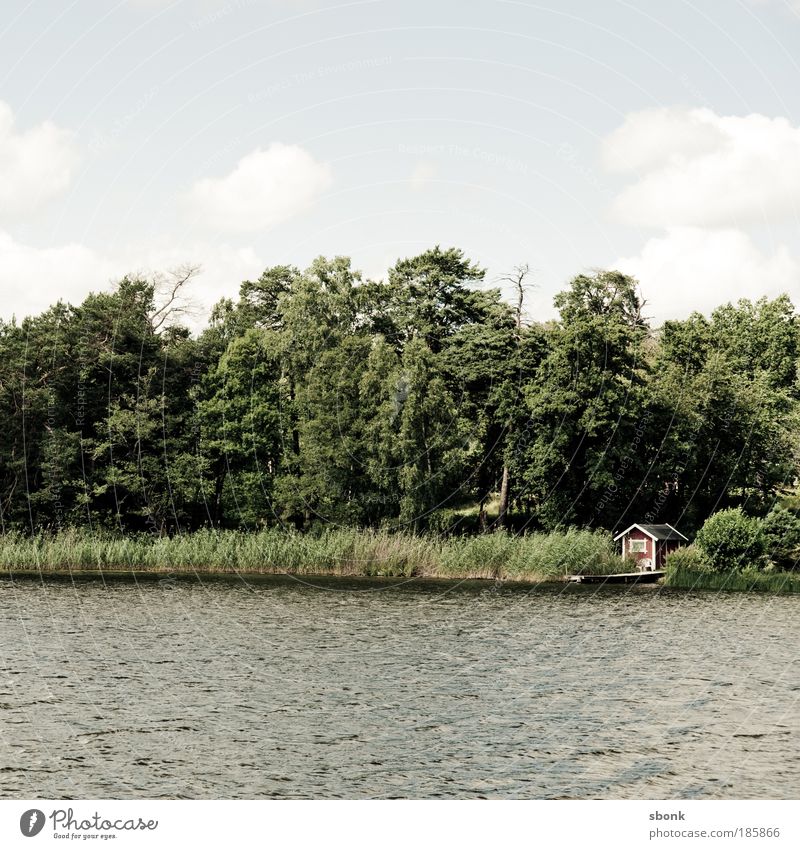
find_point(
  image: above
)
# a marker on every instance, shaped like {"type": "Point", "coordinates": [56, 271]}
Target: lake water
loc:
{"type": "Point", "coordinates": [276, 688]}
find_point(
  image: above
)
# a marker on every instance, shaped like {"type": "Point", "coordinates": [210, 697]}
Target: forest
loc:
{"type": "Point", "coordinates": [421, 402]}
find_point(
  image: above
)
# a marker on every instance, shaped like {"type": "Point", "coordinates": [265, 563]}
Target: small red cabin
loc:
{"type": "Point", "coordinates": [650, 544]}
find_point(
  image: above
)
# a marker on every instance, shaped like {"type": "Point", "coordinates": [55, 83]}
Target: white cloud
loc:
{"type": "Point", "coordinates": [692, 268]}
{"type": "Point", "coordinates": [35, 165]}
{"type": "Point", "coordinates": [705, 180]}
{"type": "Point", "coordinates": [27, 273]}
{"type": "Point", "coordinates": [266, 187]}
{"type": "Point", "coordinates": [223, 269]}
{"type": "Point", "coordinates": [695, 168]}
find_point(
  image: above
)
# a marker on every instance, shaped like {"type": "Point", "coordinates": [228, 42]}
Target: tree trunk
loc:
{"type": "Point", "coordinates": [501, 516]}
{"type": "Point", "coordinates": [219, 488]}
{"type": "Point", "coordinates": [295, 429]}
{"type": "Point", "coordinates": [482, 518]}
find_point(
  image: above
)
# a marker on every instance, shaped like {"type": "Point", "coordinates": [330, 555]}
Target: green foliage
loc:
{"type": "Point", "coordinates": [429, 297]}
{"type": "Point", "coordinates": [585, 458]}
{"type": "Point", "coordinates": [687, 558]}
{"type": "Point", "coordinates": [782, 537]}
{"type": "Point", "coordinates": [749, 580]}
{"type": "Point", "coordinates": [342, 551]}
{"type": "Point", "coordinates": [316, 398]}
{"type": "Point", "coordinates": [565, 553]}
{"type": "Point", "coordinates": [730, 541]}
{"type": "Point", "coordinates": [448, 521]}
{"type": "Point", "coordinates": [724, 399]}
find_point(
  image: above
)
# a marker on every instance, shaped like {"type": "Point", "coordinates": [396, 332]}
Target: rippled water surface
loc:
{"type": "Point", "coordinates": [274, 688]}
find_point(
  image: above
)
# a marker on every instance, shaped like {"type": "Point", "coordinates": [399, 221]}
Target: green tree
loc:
{"type": "Point", "coordinates": [142, 467]}
{"type": "Point", "coordinates": [731, 541]}
{"type": "Point", "coordinates": [583, 461]}
{"type": "Point", "coordinates": [431, 296]}
{"type": "Point", "coordinates": [481, 366]}
{"type": "Point", "coordinates": [782, 537]}
{"type": "Point", "coordinates": [334, 483]}
{"type": "Point", "coordinates": [414, 438]}
{"type": "Point", "coordinates": [725, 412]}
{"type": "Point", "coordinates": [244, 425]}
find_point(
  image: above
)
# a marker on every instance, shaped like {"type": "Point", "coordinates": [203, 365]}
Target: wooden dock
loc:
{"type": "Point", "coordinates": [619, 578]}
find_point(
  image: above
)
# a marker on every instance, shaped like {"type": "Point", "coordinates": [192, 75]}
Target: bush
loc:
{"type": "Point", "coordinates": [730, 541]}
{"type": "Point", "coordinates": [782, 537]}
{"type": "Point", "coordinates": [688, 558]}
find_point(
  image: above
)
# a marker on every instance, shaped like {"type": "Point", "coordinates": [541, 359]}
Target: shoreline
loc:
{"type": "Point", "coordinates": [530, 558]}
{"type": "Point", "coordinates": [499, 559]}
{"type": "Point", "coordinates": [186, 575]}
{"type": "Point", "coordinates": [696, 583]}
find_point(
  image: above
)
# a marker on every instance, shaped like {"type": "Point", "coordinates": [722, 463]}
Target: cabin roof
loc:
{"type": "Point", "coordinates": [657, 532]}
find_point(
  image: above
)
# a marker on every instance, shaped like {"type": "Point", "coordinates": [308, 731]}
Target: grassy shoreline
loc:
{"type": "Point", "coordinates": [778, 583]}
{"type": "Point", "coordinates": [350, 553]}
{"type": "Point", "coordinates": [337, 552]}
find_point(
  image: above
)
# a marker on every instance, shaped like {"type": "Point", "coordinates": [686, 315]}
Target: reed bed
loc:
{"type": "Point", "coordinates": [346, 552]}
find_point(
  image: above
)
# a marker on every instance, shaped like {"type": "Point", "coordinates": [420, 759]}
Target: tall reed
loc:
{"type": "Point", "coordinates": [336, 551]}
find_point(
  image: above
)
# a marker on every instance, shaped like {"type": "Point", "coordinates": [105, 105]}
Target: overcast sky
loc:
{"type": "Point", "coordinates": [660, 138]}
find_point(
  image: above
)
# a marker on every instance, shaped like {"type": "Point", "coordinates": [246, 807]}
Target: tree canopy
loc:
{"type": "Point", "coordinates": [320, 397]}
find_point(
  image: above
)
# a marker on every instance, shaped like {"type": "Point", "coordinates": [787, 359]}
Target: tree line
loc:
{"type": "Point", "coordinates": [420, 401]}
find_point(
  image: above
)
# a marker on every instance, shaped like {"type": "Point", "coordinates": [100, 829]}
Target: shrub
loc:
{"type": "Point", "coordinates": [731, 541]}
{"type": "Point", "coordinates": [782, 537]}
{"type": "Point", "coordinates": [688, 558]}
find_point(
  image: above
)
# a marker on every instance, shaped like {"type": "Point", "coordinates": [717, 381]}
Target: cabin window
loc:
{"type": "Point", "coordinates": [637, 546]}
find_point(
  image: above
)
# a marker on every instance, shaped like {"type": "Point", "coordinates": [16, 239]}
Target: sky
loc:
{"type": "Point", "coordinates": [660, 139]}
